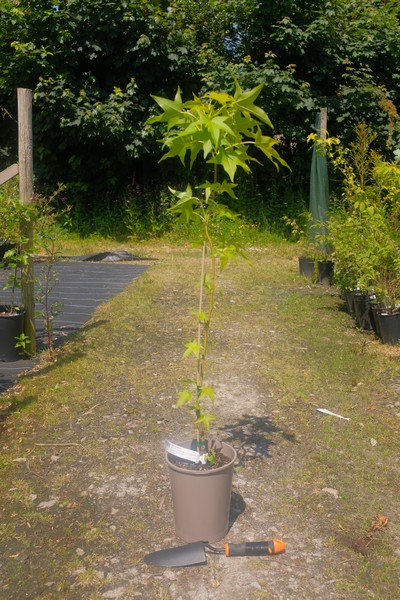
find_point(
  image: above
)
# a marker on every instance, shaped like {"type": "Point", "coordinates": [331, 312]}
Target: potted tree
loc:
{"type": "Point", "coordinates": [223, 130]}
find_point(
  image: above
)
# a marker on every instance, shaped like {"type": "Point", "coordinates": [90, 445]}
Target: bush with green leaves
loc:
{"type": "Point", "coordinates": [362, 243]}
{"type": "Point", "coordinates": [92, 66]}
{"type": "Point", "coordinates": [364, 228]}
{"type": "Point", "coordinates": [14, 217]}
{"type": "Point", "coordinates": [224, 132]}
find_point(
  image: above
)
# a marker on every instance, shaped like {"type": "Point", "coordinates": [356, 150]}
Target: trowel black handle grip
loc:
{"type": "Point", "coordinates": [255, 548]}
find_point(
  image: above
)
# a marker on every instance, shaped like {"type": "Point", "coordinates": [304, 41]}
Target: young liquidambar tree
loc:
{"type": "Point", "coordinates": [225, 132]}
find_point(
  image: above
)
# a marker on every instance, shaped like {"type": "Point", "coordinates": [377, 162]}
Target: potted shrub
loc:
{"type": "Point", "coordinates": [363, 230]}
{"type": "Point", "coordinates": [386, 308]}
{"type": "Point", "coordinates": [315, 261]}
{"type": "Point", "coordinates": [307, 263]}
{"type": "Point", "coordinates": [223, 131]}
{"type": "Point", "coordinates": [13, 342]}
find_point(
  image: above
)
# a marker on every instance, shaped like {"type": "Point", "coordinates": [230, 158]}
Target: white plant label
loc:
{"type": "Point", "coordinates": [185, 453]}
{"type": "Point", "coordinates": [328, 412]}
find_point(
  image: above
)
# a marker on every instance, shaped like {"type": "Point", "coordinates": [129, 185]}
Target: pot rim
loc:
{"type": "Point", "coordinates": [6, 314]}
{"type": "Point", "coordinates": [207, 472]}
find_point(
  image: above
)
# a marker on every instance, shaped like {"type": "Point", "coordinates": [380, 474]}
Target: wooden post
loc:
{"type": "Point", "coordinates": [324, 122]}
{"type": "Point", "coordinates": [25, 166]}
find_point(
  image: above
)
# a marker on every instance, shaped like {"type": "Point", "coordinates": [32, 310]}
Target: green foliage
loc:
{"type": "Point", "coordinates": [146, 213]}
{"type": "Point", "coordinates": [339, 54]}
{"type": "Point", "coordinates": [92, 66]}
{"type": "Point", "coordinates": [14, 217]}
{"type": "Point", "coordinates": [97, 217]}
{"type": "Point", "coordinates": [359, 238]}
{"type": "Point", "coordinates": [223, 131]}
{"type": "Point", "coordinates": [47, 238]}
{"type": "Point", "coordinates": [310, 237]}
{"type": "Point", "coordinates": [22, 343]}
{"type": "Point", "coordinates": [364, 228]}
{"type": "Point", "coordinates": [216, 125]}
{"type": "Point", "coordinates": [211, 457]}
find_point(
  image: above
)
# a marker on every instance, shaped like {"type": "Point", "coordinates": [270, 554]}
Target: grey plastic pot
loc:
{"type": "Point", "coordinates": [202, 499]}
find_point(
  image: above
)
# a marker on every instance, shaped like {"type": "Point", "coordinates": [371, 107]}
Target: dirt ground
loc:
{"type": "Point", "coordinates": [88, 493]}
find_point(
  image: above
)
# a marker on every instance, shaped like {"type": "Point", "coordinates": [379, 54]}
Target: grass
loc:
{"type": "Point", "coordinates": [280, 349]}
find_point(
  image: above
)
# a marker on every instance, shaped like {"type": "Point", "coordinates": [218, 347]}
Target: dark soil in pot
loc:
{"type": "Point", "coordinates": [220, 461]}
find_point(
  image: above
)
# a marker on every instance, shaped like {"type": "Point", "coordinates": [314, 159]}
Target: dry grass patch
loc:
{"type": "Point", "coordinates": [87, 432]}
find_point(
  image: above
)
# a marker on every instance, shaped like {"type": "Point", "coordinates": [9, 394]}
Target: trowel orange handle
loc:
{"type": "Point", "coordinates": [255, 548]}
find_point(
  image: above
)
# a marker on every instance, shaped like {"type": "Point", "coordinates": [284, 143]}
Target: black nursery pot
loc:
{"type": "Point", "coordinates": [376, 325]}
{"type": "Point", "coordinates": [307, 267]}
{"type": "Point", "coordinates": [11, 327]}
{"type": "Point", "coordinates": [349, 297]}
{"type": "Point", "coordinates": [325, 272]}
{"type": "Point", "coordinates": [389, 327]}
{"type": "Point", "coordinates": [362, 311]}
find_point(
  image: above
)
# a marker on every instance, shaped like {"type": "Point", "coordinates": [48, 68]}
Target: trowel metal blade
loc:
{"type": "Point", "coordinates": [182, 556]}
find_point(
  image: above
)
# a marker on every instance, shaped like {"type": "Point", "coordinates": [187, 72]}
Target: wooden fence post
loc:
{"type": "Point", "coordinates": [324, 122]}
{"type": "Point", "coordinates": [25, 166]}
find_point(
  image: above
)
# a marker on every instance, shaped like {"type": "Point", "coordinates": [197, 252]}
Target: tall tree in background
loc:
{"type": "Point", "coordinates": [343, 54]}
{"type": "Point", "coordinates": [339, 54]}
{"type": "Point", "coordinates": [93, 65]}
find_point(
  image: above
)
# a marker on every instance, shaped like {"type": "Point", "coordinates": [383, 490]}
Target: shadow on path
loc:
{"type": "Point", "coordinates": [252, 436]}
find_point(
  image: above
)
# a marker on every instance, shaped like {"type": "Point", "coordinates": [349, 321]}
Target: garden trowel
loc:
{"type": "Point", "coordinates": [195, 554]}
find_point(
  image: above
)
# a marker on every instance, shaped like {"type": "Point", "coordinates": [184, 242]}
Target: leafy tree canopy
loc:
{"type": "Point", "coordinates": [93, 66]}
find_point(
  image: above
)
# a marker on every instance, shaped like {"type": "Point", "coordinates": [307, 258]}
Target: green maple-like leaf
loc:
{"type": "Point", "coordinates": [205, 419]}
{"type": "Point", "coordinates": [192, 348]}
{"type": "Point", "coordinates": [202, 316]}
{"type": "Point", "coordinates": [207, 392]}
{"type": "Point", "coordinates": [171, 108]}
{"type": "Point", "coordinates": [226, 254]}
{"type": "Point", "coordinates": [184, 397]}
{"type": "Point", "coordinates": [186, 205]}
{"type": "Point", "coordinates": [218, 188]}
{"type": "Point", "coordinates": [230, 160]}
{"type": "Point", "coordinates": [245, 101]}
{"type": "Point", "coordinates": [266, 144]}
